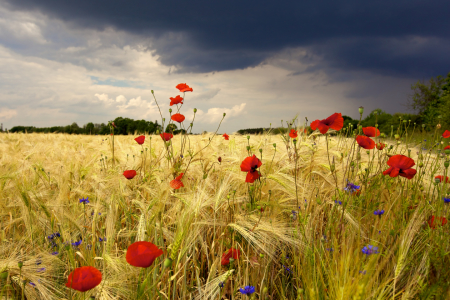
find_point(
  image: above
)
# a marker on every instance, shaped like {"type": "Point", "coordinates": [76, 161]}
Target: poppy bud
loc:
{"type": "Point", "coordinates": [332, 168]}
{"type": "Point", "coordinates": [261, 255]}
{"type": "Point", "coordinates": [195, 110]}
{"type": "Point", "coordinates": [224, 114]}
{"type": "Point", "coordinates": [294, 141]}
{"type": "Point", "coordinates": [248, 137]}
{"type": "Point", "coordinates": [447, 151]}
{"type": "Point", "coordinates": [20, 264]}
{"type": "Point", "coordinates": [368, 152]}
{"type": "Point", "coordinates": [376, 125]}
{"type": "Point", "coordinates": [382, 135]}
{"type": "Point", "coordinates": [361, 110]}
{"type": "Point", "coordinates": [265, 290]}
{"type": "Point", "coordinates": [170, 110]}
{"type": "Point", "coordinates": [4, 275]}
{"type": "Point", "coordinates": [260, 150]}
{"type": "Point", "coordinates": [422, 188]}
{"type": "Point", "coordinates": [438, 126]}
{"type": "Point", "coordinates": [397, 137]}
{"type": "Point", "coordinates": [420, 164]}
{"type": "Point", "coordinates": [167, 263]}
{"type": "Point", "coordinates": [274, 145]}
{"type": "Point", "coordinates": [248, 148]}
{"type": "Point", "coordinates": [270, 192]}
{"type": "Point", "coordinates": [358, 156]}
{"type": "Point", "coordinates": [437, 180]}
{"type": "Point", "coordinates": [220, 159]}
{"type": "Point", "coordinates": [446, 163]}
{"type": "Point", "coordinates": [152, 92]}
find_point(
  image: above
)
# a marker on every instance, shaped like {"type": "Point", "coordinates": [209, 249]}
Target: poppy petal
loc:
{"type": "Point", "coordinates": [183, 87]}
{"type": "Point", "coordinates": [252, 176]}
{"type": "Point", "coordinates": [142, 254]}
{"type": "Point", "coordinates": [409, 173]}
{"type": "Point", "coordinates": [365, 142]}
{"type": "Point", "coordinates": [293, 134]}
{"type": "Point", "coordinates": [400, 161]}
{"type": "Point", "coordinates": [322, 127]}
{"type": "Point", "coordinates": [335, 121]}
{"type": "Point", "coordinates": [388, 171]}
{"type": "Point", "coordinates": [140, 139]}
{"type": "Point", "coordinates": [178, 118]}
{"type": "Point", "coordinates": [84, 279]}
{"type": "Point", "coordinates": [371, 131]}
{"type": "Point", "coordinates": [394, 173]}
{"type": "Point", "coordinates": [314, 124]}
{"type": "Point", "coordinates": [446, 134]}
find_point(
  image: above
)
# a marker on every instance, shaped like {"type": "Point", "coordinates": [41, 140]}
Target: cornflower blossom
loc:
{"type": "Point", "coordinates": [351, 188]}
{"type": "Point", "coordinates": [84, 201]}
{"type": "Point", "coordinates": [338, 202]}
{"type": "Point", "coordinates": [247, 290]}
{"type": "Point", "coordinates": [369, 249]}
{"type": "Point", "coordinates": [378, 212]}
{"type": "Point", "coordinates": [446, 200]}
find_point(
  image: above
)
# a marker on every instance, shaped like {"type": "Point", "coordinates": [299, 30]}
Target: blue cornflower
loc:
{"type": "Point", "coordinates": [76, 244]}
{"type": "Point", "coordinates": [57, 234]}
{"type": "Point", "coordinates": [446, 200]}
{"type": "Point", "coordinates": [378, 212]}
{"type": "Point", "coordinates": [55, 253]}
{"type": "Point", "coordinates": [102, 240]}
{"type": "Point", "coordinates": [38, 262]}
{"type": "Point", "coordinates": [287, 269]}
{"type": "Point", "coordinates": [221, 284]}
{"type": "Point", "coordinates": [369, 249]}
{"type": "Point", "coordinates": [338, 202]}
{"type": "Point", "coordinates": [32, 284]}
{"type": "Point", "coordinates": [247, 290]}
{"type": "Point", "coordinates": [351, 188]}
{"type": "Point", "coordinates": [41, 270]}
{"type": "Point", "coordinates": [50, 237]}
{"type": "Point", "coordinates": [84, 201]}
{"type": "Point", "coordinates": [363, 272]}
{"type": "Point", "coordinates": [329, 249]}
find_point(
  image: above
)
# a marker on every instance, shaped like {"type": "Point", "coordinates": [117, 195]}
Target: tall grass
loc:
{"type": "Point", "coordinates": [300, 234]}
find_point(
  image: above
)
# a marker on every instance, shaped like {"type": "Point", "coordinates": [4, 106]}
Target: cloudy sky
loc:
{"type": "Point", "coordinates": [259, 61]}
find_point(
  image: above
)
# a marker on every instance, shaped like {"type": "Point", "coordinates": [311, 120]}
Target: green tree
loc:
{"type": "Point", "coordinates": [90, 129]}
{"type": "Point", "coordinates": [171, 128]}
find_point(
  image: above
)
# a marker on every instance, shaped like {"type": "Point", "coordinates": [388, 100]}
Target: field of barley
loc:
{"type": "Point", "coordinates": [252, 217]}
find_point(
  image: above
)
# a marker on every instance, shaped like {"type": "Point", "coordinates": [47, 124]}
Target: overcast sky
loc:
{"type": "Point", "coordinates": [259, 61]}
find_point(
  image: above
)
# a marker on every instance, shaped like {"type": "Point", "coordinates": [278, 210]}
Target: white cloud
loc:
{"type": "Point", "coordinates": [6, 113]}
{"type": "Point", "coordinates": [214, 115]}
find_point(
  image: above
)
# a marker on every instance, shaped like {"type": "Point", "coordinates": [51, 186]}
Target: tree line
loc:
{"type": "Point", "coordinates": [430, 102]}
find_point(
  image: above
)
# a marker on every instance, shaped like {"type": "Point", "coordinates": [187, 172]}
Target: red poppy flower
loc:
{"type": "Point", "coordinates": [111, 133]}
{"type": "Point", "coordinates": [84, 279]}
{"type": "Point", "coordinates": [129, 174]}
{"type": "Point", "coordinates": [305, 130]}
{"type": "Point", "coordinates": [380, 146]}
{"type": "Point", "coordinates": [446, 134]}
{"type": "Point", "coordinates": [229, 254]}
{"type": "Point", "coordinates": [142, 254]}
{"type": "Point", "coordinates": [176, 183]}
{"type": "Point", "coordinates": [371, 131]}
{"type": "Point", "coordinates": [441, 178]}
{"type": "Point", "coordinates": [365, 142]}
{"type": "Point", "coordinates": [400, 165]}
{"type": "Point", "coordinates": [166, 136]}
{"type": "Point", "coordinates": [250, 164]}
{"type": "Point", "coordinates": [226, 136]}
{"type": "Point", "coordinates": [335, 121]}
{"type": "Point", "coordinates": [434, 221]}
{"type": "Point", "coordinates": [140, 139]}
{"type": "Point", "coordinates": [447, 147]}
{"type": "Point", "coordinates": [220, 159]}
{"type": "Point", "coordinates": [177, 100]}
{"type": "Point", "coordinates": [183, 87]}
{"type": "Point", "coordinates": [293, 134]}
{"type": "Point", "coordinates": [178, 118]}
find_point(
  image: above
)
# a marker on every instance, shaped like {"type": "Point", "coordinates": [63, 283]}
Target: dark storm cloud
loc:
{"type": "Point", "coordinates": [401, 38]}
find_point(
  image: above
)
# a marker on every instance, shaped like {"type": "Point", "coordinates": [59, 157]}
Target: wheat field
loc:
{"type": "Point", "coordinates": [300, 232]}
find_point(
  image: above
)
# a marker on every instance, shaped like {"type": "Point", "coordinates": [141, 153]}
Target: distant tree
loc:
{"type": "Point", "coordinates": [171, 128]}
{"type": "Point", "coordinates": [90, 128]}
{"type": "Point", "coordinates": [425, 94]}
